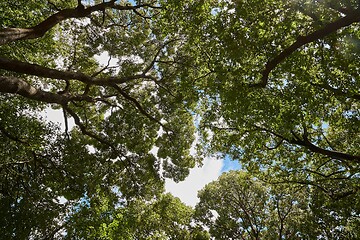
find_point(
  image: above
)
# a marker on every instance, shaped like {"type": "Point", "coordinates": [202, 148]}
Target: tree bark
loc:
{"type": "Point", "coordinates": [40, 71]}
{"type": "Point", "coordinates": [18, 86]}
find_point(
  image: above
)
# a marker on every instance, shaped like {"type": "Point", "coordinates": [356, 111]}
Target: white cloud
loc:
{"type": "Point", "coordinates": [197, 179]}
{"type": "Point", "coordinates": [186, 190]}
{"type": "Point", "coordinates": [57, 116]}
{"type": "Point", "coordinates": [104, 59]}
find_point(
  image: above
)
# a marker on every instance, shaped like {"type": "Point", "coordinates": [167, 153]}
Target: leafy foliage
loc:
{"type": "Point", "coordinates": [282, 93]}
{"type": "Point", "coordinates": [241, 206]}
{"type": "Point", "coordinates": [49, 59]}
{"type": "Point", "coordinates": [162, 218]}
{"type": "Point", "coordinates": [275, 84]}
{"type": "Point", "coordinates": [238, 206]}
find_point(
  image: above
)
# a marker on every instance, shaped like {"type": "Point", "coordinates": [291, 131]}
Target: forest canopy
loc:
{"type": "Point", "coordinates": [272, 84]}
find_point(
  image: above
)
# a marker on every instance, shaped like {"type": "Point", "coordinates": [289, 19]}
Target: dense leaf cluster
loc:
{"type": "Point", "coordinates": [274, 84]}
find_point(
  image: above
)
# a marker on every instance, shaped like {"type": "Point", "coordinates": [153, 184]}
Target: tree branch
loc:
{"type": "Point", "coordinates": [138, 106]}
{"type": "Point", "coordinates": [82, 127]}
{"type": "Point", "coordinates": [152, 63]}
{"type": "Point", "coordinates": [325, 175]}
{"type": "Point", "coordinates": [337, 91]}
{"type": "Point", "coordinates": [351, 18]}
{"type": "Point", "coordinates": [40, 71]}
{"type": "Point", "coordinates": [330, 153]}
{"type": "Point", "coordinates": [305, 142]}
{"type": "Point", "coordinates": [12, 34]}
{"type": "Point", "coordinates": [23, 88]}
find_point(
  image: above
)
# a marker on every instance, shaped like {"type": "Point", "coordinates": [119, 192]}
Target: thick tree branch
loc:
{"type": "Point", "coordinates": [12, 34]}
{"type": "Point", "coordinates": [305, 142]}
{"type": "Point", "coordinates": [23, 88]}
{"type": "Point", "coordinates": [351, 18]}
{"type": "Point", "coordinates": [337, 91]}
{"type": "Point", "coordinates": [40, 71]}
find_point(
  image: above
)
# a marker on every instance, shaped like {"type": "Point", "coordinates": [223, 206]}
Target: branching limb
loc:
{"type": "Point", "coordinates": [13, 34]}
{"type": "Point", "coordinates": [272, 132]}
{"type": "Point", "coordinates": [333, 154]}
{"type": "Point", "coordinates": [154, 60]}
{"type": "Point", "coordinates": [351, 18]}
{"type": "Point", "coordinates": [337, 91]}
{"type": "Point", "coordinates": [138, 106]}
{"type": "Point", "coordinates": [21, 87]}
{"type": "Point", "coordinates": [18, 86]}
{"type": "Point", "coordinates": [325, 175]}
{"type": "Point", "coordinates": [305, 142]}
{"type": "Point", "coordinates": [103, 69]}
{"type": "Point", "coordinates": [40, 71]}
{"type": "Point", "coordinates": [82, 127]}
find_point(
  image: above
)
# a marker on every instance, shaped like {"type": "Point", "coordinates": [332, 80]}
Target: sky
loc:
{"type": "Point", "coordinates": [186, 190]}
{"type": "Point", "coordinates": [199, 176]}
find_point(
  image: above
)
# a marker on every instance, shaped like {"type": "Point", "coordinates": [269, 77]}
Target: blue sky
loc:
{"type": "Point", "coordinates": [211, 169]}
{"type": "Point", "coordinates": [229, 164]}
{"type": "Point", "coordinates": [187, 190]}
